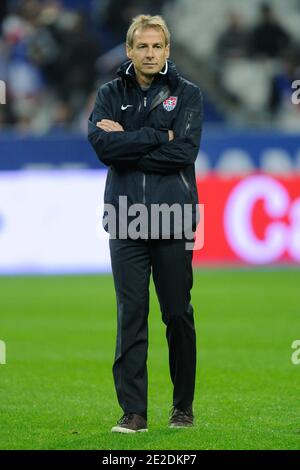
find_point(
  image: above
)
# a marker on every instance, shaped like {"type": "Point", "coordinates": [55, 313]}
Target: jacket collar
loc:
{"type": "Point", "coordinates": [168, 74]}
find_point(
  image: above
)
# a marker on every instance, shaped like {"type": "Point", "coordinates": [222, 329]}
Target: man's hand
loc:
{"type": "Point", "coordinates": [171, 135]}
{"type": "Point", "coordinates": [109, 126]}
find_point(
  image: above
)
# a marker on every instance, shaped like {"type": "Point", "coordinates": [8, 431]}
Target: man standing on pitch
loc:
{"type": "Point", "coordinates": [146, 127]}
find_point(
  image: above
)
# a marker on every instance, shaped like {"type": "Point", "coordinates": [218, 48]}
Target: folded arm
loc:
{"type": "Point", "coordinates": [114, 145]}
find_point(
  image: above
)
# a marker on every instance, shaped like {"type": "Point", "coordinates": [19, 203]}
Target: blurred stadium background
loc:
{"type": "Point", "coordinates": [60, 331]}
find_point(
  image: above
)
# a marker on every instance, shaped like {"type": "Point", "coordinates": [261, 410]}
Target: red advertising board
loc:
{"type": "Point", "coordinates": [253, 220]}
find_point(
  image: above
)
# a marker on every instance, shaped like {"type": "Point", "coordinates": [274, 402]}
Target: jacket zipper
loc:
{"type": "Point", "coordinates": [144, 174]}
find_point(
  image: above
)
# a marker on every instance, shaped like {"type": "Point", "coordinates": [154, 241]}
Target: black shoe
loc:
{"type": "Point", "coordinates": [131, 422]}
{"type": "Point", "coordinates": [181, 418]}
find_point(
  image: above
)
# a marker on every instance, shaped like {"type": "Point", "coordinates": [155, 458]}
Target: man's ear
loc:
{"type": "Point", "coordinates": [128, 52]}
{"type": "Point", "coordinates": [167, 51]}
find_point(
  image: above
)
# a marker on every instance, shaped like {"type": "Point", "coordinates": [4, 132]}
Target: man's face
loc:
{"type": "Point", "coordinates": [149, 51]}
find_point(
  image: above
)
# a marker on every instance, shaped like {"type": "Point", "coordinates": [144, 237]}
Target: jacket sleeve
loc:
{"type": "Point", "coordinates": [183, 149]}
{"type": "Point", "coordinates": [119, 146]}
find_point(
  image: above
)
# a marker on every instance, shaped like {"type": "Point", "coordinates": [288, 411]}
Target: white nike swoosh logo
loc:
{"type": "Point", "coordinates": [125, 107]}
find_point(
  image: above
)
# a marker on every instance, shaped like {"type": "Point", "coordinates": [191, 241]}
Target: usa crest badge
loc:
{"type": "Point", "coordinates": [170, 103]}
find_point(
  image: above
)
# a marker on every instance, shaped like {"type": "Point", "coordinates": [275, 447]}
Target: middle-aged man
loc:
{"type": "Point", "coordinates": [146, 127]}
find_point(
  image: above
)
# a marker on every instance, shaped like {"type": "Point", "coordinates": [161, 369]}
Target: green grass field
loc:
{"type": "Point", "coordinates": [56, 390]}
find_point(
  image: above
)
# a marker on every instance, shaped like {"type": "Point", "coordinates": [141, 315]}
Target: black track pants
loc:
{"type": "Point", "coordinates": [171, 265]}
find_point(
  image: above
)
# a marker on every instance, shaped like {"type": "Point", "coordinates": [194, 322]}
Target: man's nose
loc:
{"type": "Point", "coordinates": [150, 52]}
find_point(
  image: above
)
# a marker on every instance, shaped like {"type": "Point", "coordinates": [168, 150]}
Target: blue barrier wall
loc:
{"type": "Point", "coordinates": [72, 149]}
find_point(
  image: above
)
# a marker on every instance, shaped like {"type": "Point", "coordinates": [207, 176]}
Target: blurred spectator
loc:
{"type": "Point", "coordinates": [269, 38]}
{"type": "Point", "coordinates": [47, 57]}
{"type": "Point", "coordinates": [45, 44]}
{"type": "Point", "coordinates": [234, 40]}
{"type": "Point", "coordinates": [3, 12]}
{"type": "Point", "coordinates": [66, 51]}
{"type": "Point", "coordinates": [62, 116]}
{"type": "Point", "coordinates": [24, 79]}
{"type": "Point", "coordinates": [117, 14]}
{"type": "Point", "coordinates": [79, 53]}
{"type": "Point", "coordinates": [243, 80]}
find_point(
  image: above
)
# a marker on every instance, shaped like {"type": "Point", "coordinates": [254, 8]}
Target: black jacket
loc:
{"type": "Point", "coordinates": [143, 164]}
